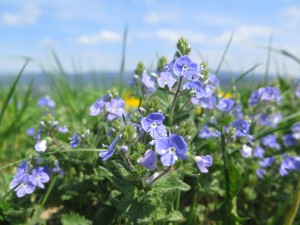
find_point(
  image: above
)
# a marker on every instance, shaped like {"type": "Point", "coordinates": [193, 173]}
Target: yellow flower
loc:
{"type": "Point", "coordinates": [198, 111]}
{"type": "Point", "coordinates": [223, 95]}
{"type": "Point", "coordinates": [131, 102]}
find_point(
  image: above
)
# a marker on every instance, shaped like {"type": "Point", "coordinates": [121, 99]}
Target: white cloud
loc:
{"type": "Point", "coordinates": [27, 15]}
{"type": "Point", "coordinates": [156, 17]}
{"type": "Point", "coordinates": [48, 42]}
{"type": "Point", "coordinates": [172, 36]}
{"type": "Point", "coordinates": [101, 37]}
{"type": "Point", "coordinates": [294, 16]}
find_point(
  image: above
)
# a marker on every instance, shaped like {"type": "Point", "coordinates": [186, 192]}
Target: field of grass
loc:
{"type": "Point", "coordinates": [162, 150]}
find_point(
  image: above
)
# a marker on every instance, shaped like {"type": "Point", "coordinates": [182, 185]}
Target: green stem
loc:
{"type": "Point", "coordinates": [48, 191]}
{"type": "Point", "coordinates": [294, 208]}
{"type": "Point", "coordinates": [174, 100]}
{"type": "Point", "coordinates": [159, 176]}
{"type": "Point", "coordinates": [226, 174]}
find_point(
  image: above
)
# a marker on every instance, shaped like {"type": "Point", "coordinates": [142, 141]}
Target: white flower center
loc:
{"type": "Point", "coordinates": [24, 185]}
{"type": "Point", "coordinates": [172, 150]}
{"type": "Point", "coordinates": [185, 67]}
{"type": "Point", "coordinates": [166, 81]}
{"type": "Point", "coordinates": [153, 125]}
{"type": "Point", "coordinates": [38, 177]}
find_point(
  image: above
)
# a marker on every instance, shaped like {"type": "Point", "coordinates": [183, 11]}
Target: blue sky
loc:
{"type": "Point", "coordinates": [87, 35]}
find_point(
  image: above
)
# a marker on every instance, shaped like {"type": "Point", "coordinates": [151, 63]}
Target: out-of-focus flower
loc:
{"type": "Point", "coordinates": [115, 108]}
{"type": "Point", "coordinates": [267, 162]}
{"type": "Point", "coordinates": [74, 142]}
{"type": "Point", "coordinates": [289, 140]}
{"type": "Point", "coordinates": [46, 102]}
{"type": "Point", "coordinates": [242, 128]}
{"type": "Point", "coordinates": [246, 151]}
{"type": "Point", "coordinates": [40, 146]}
{"type": "Point", "coordinates": [270, 141]}
{"type": "Point", "coordinates": [289, 164]}
{"type": "Point", "coordinates": [131, 102]}
{"type": "Point", "coordinates": [259, 152]}
{"type": "Point", "coordinates": [261, 173]}
{"type": "Point", "coordinates": [208, 132]}
{"type": "Point", "coordinates": [166, 79]}
{"type": "Point", "coordinates": [148, 82]}
{"type": "Point", "coordinates": [203, 162]}
{"type": "Point", "coordinates": [225, 104]}
{"type": "Point", "coordinates": [97, 107]}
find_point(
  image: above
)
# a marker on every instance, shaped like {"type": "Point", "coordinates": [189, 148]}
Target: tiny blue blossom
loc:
{"type": "Point", "coordinates": [185, 67]}
{"type": "Point", "coordinates": [261, 173]}
{"type": "Point", "coordinates": [208, 132]}
{"type": "Point", "coordinates": [25, 185]}
{"type": "Point", "coordinates": [149, 160]}
{"type": "Point", "coordinates": [196, 86]}
{"type": "Point", "coordinates": [30, 131]}
{"type": "Point", "coordinates": [97, 107]}
{"type": "Point", "coordinates": [225, 104]}
{"type": "Point", "coordinates": [105, 155]}
{"type": "Point", "coordinates": [153, 124]}
{"type": "Point", "coordinates": [270, 141]}
{"type": "Point", "coordinates": [148, 82]}
{"type": "Point", "coordinates": [39, 177]}
{"type": "Point", "coordinates": [74, 142]}
{"type": "Point", "coordinates": [115, 108]}
{"type": "Point", "coordinates": [62, 130]}
{"type": "Point", "coordinates": [289, 140]}
{"type": "Point", "coordinates": [171, 149]}
{"type": "Point", "coordinates": [208, 103]}
{"type": "Point", "coordinates": [242, 128]}
{"type": "Point", "coordinates": [203, 162]}
{"type": "Point", "coordinates": [166, 78]}
{"type": "Point", "coordinates": [265, 94]}
{"type": "Point", "coordinates": [267, 162]}
{"type": "Point", "coordinates": [296, 130]}
{"type": "Point", "coordinates": [46, 102]}
{"type": "Point", "coordinates": [297, 92]}
{"type": "Point", "coordinates": [259, 152]}
{"type": "Point", "coordinates": [289, 164]}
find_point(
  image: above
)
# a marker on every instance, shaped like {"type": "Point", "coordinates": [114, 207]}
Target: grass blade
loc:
{"type": "Point", "coordinates": [245, 73]}
{"type": "Point", "coordinates": [11, 91]}
{"type": "Point", "coordinates": [223, 56]}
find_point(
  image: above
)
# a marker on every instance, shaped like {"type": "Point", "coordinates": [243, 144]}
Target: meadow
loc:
{"type": "Point", "coordinates": [170, 145]}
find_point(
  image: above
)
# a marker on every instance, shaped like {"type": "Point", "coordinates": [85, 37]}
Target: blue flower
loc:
{"type": "Point", "coordinates": [25, 185]}
{"type": "Point", "coordinates": [270, 119]}
{"type": "Point", "coordinates": [30, 131]}
{"type": "Point", "coordinates": [185, 67]}
{"type": "Point", "coordinates": [169, 66]}
{"type": "Point", "coordinates": [208, 103]}
{"type": "Point", "coordinates": [203, 162]}
{"type": "Point", "coordinates": [196, 86]}
{"type": "Point", "coordinates": [242, 128]}
{"type": "Point", "coordinates": [46, 102]}
{"type": "Point", "coordinates": [171, 149]}
{"type": "Point", "coordinates": [74, 141]}
{"type": "Point", "coordinates": [97, 107]}
{"type": "Point", "coordinates": [149, 160]}
{"type": "Point", "coordinates": [62, 130]}
{"type": "Point", "coordinates": [213, 81]}
{"type": "Point", "coordinates": [207, 132]}
{"type": "Point", "coordinates": [105, 155]}
{"type": "Point", "coordinates": [225, 104]}
{"type": "Point", "coordinates": [267, 162]}
{"type": "Point", "coordinates": [153, 125]}
{"type": "Point", "coordinates": [297, 92]}
{"type": "Point", "coordinates": [148, 82]}
{"type": "Point", "coordinates": [259, 152]}
{"type": "Point", "coordinates": [296, 130]}
{"type": "Point", "coordinates": [261, 172]}
{"type": "Point", "coordinates": [270, 141]}
{"type": "Point", "coordinates": [115, 108]}
{"type": "Point", "coordinates": [39, 177]}
{"type": "Point", "coordinates": [166, 78]}
{"type": "Point", "coordinates": [289, 140]}
{"type": "Point", "coordinates": [265, 94]}
{"type": "Point", "coordinates": [289, 164]}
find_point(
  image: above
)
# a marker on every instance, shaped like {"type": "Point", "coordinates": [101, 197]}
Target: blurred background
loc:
{"type": "Point", "coordinates": [88, 35]}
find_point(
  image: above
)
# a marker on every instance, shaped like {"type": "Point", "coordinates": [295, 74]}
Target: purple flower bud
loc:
{"type": "Point", "coordinates": [246, 151]}
{"type": "Point", "coordinates": [203, 162]}
{"type": "Point", "coordinates": [149, 160]}
{"type": "Point", "coordinates": [74, 142]}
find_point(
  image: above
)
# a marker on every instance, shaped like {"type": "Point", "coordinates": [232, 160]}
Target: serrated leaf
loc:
{"type": "Point", "coordinates": [236, 181]}
{"type": "Point", "coordinates": [175, 216]}
{"type": "Point", "coordinates": [74, 219]}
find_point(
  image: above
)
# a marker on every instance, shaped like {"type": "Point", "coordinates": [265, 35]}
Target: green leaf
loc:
{"type": "Point", "coordinates": [236, 181]}
{"type": "Point", "coordinates": [175, 216]}
{"type": "Point", "coordinates": [74, 219]}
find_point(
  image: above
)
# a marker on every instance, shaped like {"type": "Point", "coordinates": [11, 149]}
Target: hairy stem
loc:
{"type": "Point", "coordinates": [294, 208]}
{"type": "Point", "coordinates": [174, 100]}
